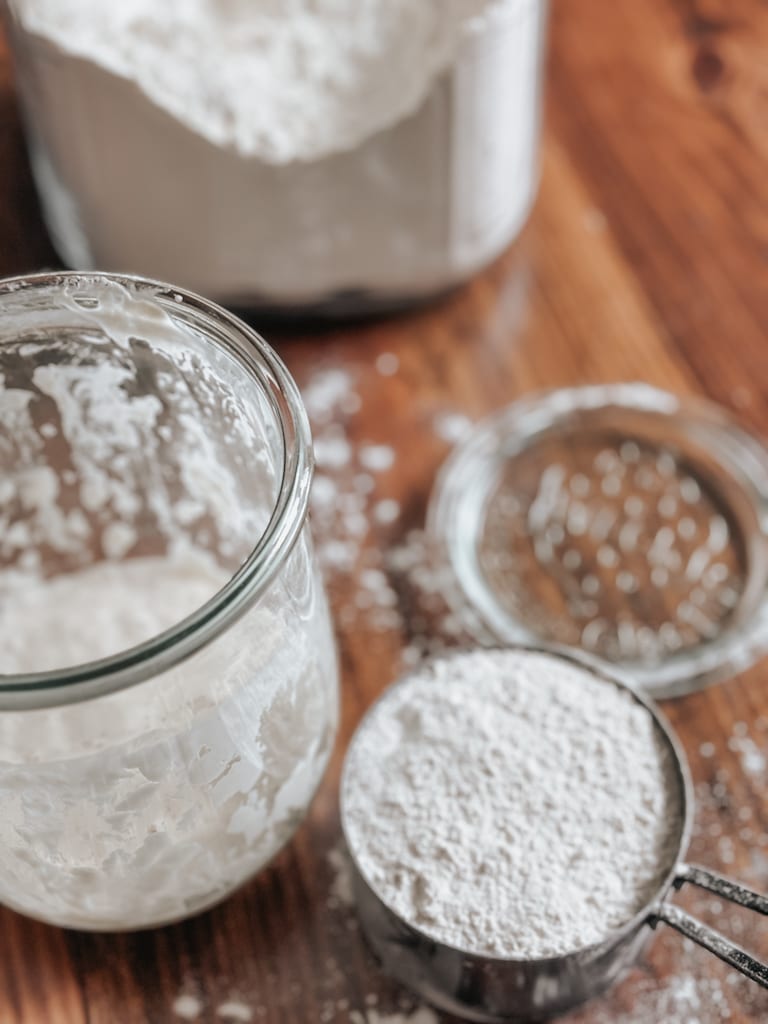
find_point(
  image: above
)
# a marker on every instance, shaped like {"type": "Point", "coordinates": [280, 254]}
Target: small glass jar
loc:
{"type": "Point", "coordinates": [407, 165]}
{"type": "Point", "coordinates": [156, 466]}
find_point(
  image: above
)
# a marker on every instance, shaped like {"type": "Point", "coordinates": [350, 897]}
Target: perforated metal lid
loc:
{"type": "Point", "coordinates": [621, 520]}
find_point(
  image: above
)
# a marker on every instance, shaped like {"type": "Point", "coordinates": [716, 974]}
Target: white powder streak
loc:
{"type": "Point", "coordinates": [187, 1007]}
{"type": "Point", "coordinates": [234, 1010]}
{"type": "Point", "coordinates": [341, 885]}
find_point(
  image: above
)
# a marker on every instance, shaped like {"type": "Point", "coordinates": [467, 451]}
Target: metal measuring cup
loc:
{"type": "Point", "coordinates": [486, 988]}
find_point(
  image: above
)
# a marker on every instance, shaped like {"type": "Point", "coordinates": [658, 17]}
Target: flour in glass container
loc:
{"type": "Point", "coordinates": [288, 151]}
{"type": "Point", "coordinates": [157, 801]}
{"type": "Point", "coordinates": [100, 611]}
{"type": "Point", "coordinates": [136, 479]}
{"type": "Point", "coordinates": [283, 82]}
{"type": "Point", "coordinates": [511, 804]}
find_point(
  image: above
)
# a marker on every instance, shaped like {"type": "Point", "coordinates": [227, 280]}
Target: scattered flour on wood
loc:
{"type": "Point", "coordinates": [422, 1015]}
{"type": "Point", "coordinates": [754, 758]}
{"type": "Point", "coordinates": [235, 1011]}
{"type": "Point", "coordinates": [340, 890]}
{"type": "Point", "coordinates": [187, 1007]}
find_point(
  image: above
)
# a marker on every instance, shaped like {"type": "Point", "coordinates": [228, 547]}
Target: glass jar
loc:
{"type": "Point", "coordinates": [168, 697]}
{"type": "Point", "coordinates": [334, 156]}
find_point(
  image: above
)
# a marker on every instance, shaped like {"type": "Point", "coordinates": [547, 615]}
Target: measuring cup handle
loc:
{"type": "Point", "coordinates": [724, 887]}
{"type": "Point", "coordinates": [708, 937]}
{"type": "Point", "coordinates": [712, 940]}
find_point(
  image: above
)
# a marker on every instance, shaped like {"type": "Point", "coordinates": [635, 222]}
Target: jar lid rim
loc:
{"type": "Point", "coordinates": [485, 520]}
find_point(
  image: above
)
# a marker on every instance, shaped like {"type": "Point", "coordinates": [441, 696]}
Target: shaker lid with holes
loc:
{"type": "Point", "coordinates": [622, 520]}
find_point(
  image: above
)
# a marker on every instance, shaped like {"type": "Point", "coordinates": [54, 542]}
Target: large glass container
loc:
{"type": "Point", "coordinates": [344, 156]}
{"type": "Point", "coordinates": [168, 696]}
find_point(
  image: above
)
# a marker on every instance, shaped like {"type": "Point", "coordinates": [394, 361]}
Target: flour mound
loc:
{"type": "Point", "coordinates": [275, 80]}
{"type": "Point", "coordinates": [511, 804]}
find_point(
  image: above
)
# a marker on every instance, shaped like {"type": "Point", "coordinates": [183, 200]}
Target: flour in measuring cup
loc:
{"type": "Point", "coordinates": [511, 804]}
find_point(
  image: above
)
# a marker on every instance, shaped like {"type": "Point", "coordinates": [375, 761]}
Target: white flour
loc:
{"type": "Point", "coordinates": [422, 1015]}
{"type": "Point", "coordinates": [282, 82]}
{"type": "Point", "coordinates": [511, 804]}
{"type": "Point", "coordinates": [154, 802]}
{"type": "Point", "coordinates": [352, 501]}
{"type": "Point", "coordinates": [187, 1007]}
{"type": "Point", "coordinates": [285, 152]}
{"type": "Point", "coordinates": [234, 1010]}
{"type": "Point", "coordinates": [100, 611]}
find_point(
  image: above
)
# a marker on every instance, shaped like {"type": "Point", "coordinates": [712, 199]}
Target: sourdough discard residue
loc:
{"type": "Point", "coordinates": [137, 476]}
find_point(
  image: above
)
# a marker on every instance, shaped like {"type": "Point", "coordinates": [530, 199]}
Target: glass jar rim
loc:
{"type": "Point", "coordinates": [161, 652]}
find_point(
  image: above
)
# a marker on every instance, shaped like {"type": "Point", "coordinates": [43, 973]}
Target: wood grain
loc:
{"type": "Point", "coordinates": [646, 258]}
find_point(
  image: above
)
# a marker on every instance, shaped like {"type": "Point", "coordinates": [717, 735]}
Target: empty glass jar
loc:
{"type": "Point", "coordinates": [168, 697]}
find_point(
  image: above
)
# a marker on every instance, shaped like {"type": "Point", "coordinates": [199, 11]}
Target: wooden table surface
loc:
{"type": "Point", "coordinates": [646, 259]}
